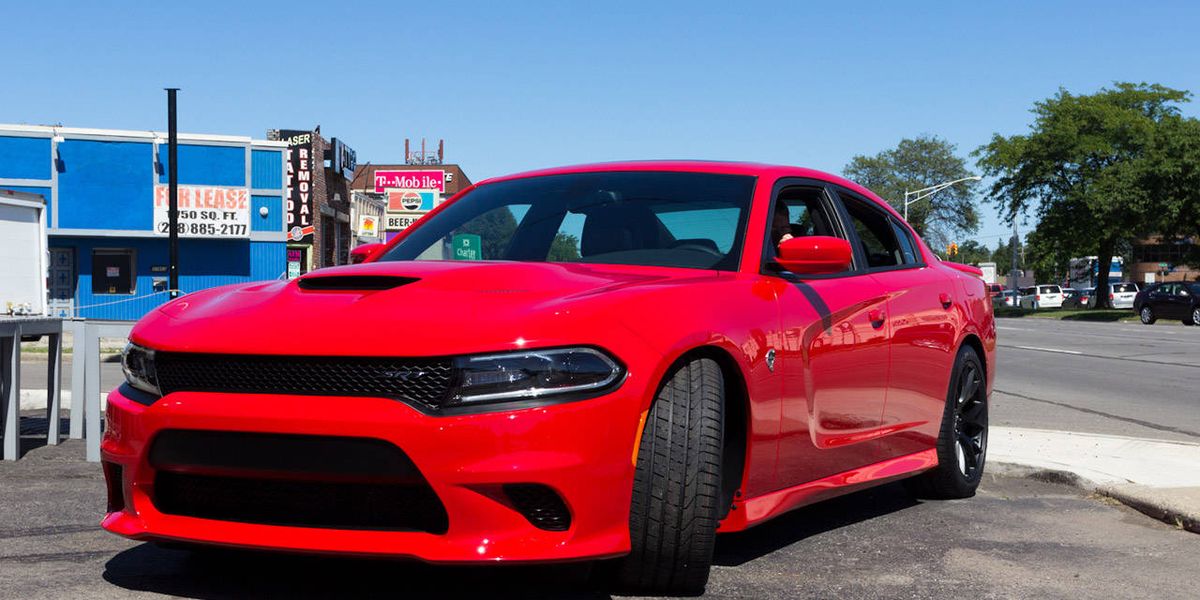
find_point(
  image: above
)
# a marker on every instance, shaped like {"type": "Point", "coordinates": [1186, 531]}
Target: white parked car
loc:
{"type": "Point", "coordinates": [1121, 294]}
{"type": "Point", "coordinates": [1042, 296]}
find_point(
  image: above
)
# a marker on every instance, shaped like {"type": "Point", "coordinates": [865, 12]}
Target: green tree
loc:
{"type": "Point", "coordinates": [946, 216]}
{"type": "Point", "coordinates": [1098, 171]}
{"type": "Point", "coordinates": [564, 248]}
{"type": "Point", "coordinates": [495, 228]}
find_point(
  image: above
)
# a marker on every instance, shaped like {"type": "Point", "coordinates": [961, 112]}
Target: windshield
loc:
{"type": "Point", "coordinates": [692, 220]}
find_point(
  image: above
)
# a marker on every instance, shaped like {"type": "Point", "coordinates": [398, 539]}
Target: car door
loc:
{"type": "Point", "coordinates": [1179, 301]}
{"type": "Point", "coordinates": [921, 324]}
{"type": "Point", "coordinates": [834, 356]}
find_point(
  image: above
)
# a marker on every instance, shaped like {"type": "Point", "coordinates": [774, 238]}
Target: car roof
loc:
{"type": "Point", "coordinates": [695, 166]}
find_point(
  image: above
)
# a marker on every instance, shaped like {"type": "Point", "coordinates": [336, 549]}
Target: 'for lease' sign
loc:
{"type": "Point", "coordinates": [205, 211]}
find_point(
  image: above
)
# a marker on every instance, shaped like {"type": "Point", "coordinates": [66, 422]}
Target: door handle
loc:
{"type": "Point", "coordinates": [876, 317]}
{"type": "Point", "coordinates": [945, 299]}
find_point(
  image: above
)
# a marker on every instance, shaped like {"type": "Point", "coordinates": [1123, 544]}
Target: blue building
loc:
{"type": "Point", "coordinates": [105, 192]}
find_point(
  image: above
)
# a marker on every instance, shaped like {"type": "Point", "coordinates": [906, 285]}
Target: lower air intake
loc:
{"type": "Point", "coordinates": [540, 505]}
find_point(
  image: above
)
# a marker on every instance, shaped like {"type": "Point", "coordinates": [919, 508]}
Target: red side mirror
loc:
{"type": "Point", "coordinates": [815, 255]}
{"type": "Point", "coordinates": [365, 253]}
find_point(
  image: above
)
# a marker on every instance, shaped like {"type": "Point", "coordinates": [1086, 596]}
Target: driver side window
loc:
{"type": "Point", "coordinates": [798, 212]}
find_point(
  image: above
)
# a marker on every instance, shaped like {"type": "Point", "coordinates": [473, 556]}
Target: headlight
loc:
{"type": "Point", "coordinates": [533, 374]}
{"type": "Point", "coordinates": [138, 364]}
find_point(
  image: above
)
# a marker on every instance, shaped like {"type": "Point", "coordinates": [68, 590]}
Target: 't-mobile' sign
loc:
{"type": "Point", "coordinates": [205, 211]}
{"type": "Point", "coordinates": [412, 180]}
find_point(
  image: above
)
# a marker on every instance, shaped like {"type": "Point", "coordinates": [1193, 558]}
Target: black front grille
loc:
{"type": "Point", "coordinates": [423, 381]}
{"type": "Point", "coordinates": [296, 480]}
{"type": "Point", "coordinates": [540, 505]}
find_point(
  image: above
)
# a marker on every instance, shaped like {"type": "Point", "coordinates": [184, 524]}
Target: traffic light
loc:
{"type": "Point", "coordinates": [952, 250]}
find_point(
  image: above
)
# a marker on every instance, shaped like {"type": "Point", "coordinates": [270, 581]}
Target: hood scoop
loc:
{"type": "Point", "coordinates": [353, 283]}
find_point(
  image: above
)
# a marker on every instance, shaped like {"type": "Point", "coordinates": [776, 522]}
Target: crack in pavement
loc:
{"type": "Point", "coordinates": [1147, 424]}
{"type": "Point", "coordinates": [48, 530]}
{"type": "Point", "coordinates": [58, 556]}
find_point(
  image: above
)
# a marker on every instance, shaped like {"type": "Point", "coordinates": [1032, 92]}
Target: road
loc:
{"type": "Point", "coordinates": [1114, 378]}
{"type": "Point", "coordinates": [1018, 538]}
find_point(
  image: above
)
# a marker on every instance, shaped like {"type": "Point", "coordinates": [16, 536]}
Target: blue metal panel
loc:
{"type": "Point", "coordinates": [274, 219]}
{"type": "Point", "coordinates": [268, 260]}
{"type": "Point", "coordinates": [202, 264]}
{"type": "Point", "coordinates": [105, 185]}
{"type": "Point", "coordinates": [44, 192]}
{"type": "Point", "coordinates": [25, 158]}
{"type": "Point", "coordinates": [206, 165]}
{"type": "Point", "coordinates": [266, 169]}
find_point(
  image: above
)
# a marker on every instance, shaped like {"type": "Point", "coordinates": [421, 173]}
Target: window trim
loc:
{"type": "Point", "coordinates": [132, 252]}
{"type": "Point", "coordinates": [837, 217]}
{"type": "Point", "coordinates": [842, 194]}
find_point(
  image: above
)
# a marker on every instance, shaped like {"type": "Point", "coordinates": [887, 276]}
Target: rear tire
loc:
{"type": "Point", "coordinates": [962, 440]}
{"type": "Point", "coordinates": [1147, 315]}
{"type": "Point", "coordinates": [1194, 319]}
{"type": "Point", "coordinates": [677, 486]}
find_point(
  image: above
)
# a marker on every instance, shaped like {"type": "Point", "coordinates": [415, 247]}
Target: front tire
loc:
{"type": "Point", "coordinates": [1147, 315]}
{"type": "Point", "coordinates": [677, 486]}
{"type": "Point", "coordinates": [962, 440]}
{"type": "Point", "coordinates": [1194, 319]}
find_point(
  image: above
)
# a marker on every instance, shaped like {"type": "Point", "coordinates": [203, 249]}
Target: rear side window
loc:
{"type": "Point", "coordinates": [875, 234]}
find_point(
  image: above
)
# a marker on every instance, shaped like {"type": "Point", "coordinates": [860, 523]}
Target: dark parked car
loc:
{"type": "Point", "coordinates": [1073, 298]}
{"type": "Point", "coordinates": [1172, 300]}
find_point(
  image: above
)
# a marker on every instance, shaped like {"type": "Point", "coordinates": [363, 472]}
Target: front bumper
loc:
{"type": "Point", "coordinates": [581, 450]}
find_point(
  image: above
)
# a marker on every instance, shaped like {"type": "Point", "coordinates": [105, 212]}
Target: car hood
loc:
{"type": "Point", "coordinates": [415, 308]}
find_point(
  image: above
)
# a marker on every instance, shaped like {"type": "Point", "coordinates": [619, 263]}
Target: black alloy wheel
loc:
{"type": "Point", "coordinates": [970, 422]}
{"type": "Point", "coordinates": [962, 441]}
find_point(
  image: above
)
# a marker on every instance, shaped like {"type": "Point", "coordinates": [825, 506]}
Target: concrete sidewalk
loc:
{"type": "Point", "coordinates": [1159, 478]}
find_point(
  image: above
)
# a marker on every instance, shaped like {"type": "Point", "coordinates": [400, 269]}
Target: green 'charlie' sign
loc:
{"type": "Point", "coordinates": [467, 246]}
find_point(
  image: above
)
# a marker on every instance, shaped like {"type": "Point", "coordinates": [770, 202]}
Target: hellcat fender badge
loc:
{"type": "Point", "coordinates": [771, 360]}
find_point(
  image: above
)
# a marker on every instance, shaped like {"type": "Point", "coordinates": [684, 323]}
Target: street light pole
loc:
{"type": "Point", "coordinates": [923, 193]}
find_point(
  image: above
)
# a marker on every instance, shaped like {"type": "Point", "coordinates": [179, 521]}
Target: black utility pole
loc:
{"type": "Point", "coordinates": [173, 193]}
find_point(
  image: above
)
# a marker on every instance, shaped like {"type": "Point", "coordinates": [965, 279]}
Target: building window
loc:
{"type": "Point", "coordinates": [113, 272]}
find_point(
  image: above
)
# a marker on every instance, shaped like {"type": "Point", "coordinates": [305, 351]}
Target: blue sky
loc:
{"type": "Point", "coordinates": [518, 85]}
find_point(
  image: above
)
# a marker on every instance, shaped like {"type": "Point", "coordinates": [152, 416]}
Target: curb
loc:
{"type": "Point", "coordinates": [1154, 477]}
{"type": "Point", "coordinates": [1137, 497]}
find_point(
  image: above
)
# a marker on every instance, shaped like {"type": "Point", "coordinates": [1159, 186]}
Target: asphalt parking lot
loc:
{"type": "Point", "coordinates": [1019, 538]}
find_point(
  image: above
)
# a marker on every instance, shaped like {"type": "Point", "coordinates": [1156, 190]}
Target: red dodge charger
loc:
{"type": "Point", "coordinates": [609, 362]}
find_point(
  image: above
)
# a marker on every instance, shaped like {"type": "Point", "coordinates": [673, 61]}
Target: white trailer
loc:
{"type": "Point", "coordinates": [989, 272]}
{"type": "Point", "coordinates": [23, 253]}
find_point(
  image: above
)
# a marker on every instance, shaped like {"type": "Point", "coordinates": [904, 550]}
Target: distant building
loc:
{"type": "Point", "coordinates": [317, 181]}
{"type": "Point", "coordinates": [1155, 259]}
{"type": "Point", "coordinates": [408, 191]}
{"type": "Point", "coordinates": [106, 215]}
